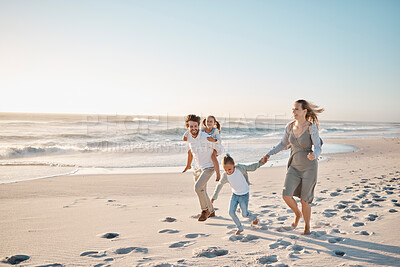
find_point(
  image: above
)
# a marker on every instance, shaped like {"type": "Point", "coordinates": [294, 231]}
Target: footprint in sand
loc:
{"type": "Point", "coordinates": [392, 210]}
{"type": "Point", "coordinates": [317, 234]}
{"type": "Point", "coordinates": [169, 219]}
{"type": "Point", "coordinates": [264, 260]}
{"type": "Point", "coordinates": [260, 226]}
{"type": "Point", "coordinates": [210, 252]}
{"type": "Point", "coordinates": [284, 229]}
{"type": "Point", "coordinates": [329, 213]}
{"type": "Point", "coordinates": [358, 224]}
{"type": "Point", "coordinates": [282, 218]}
{"type": "Point", "coordinates": [355, 208]}
{"type": "Point", "coordinates": [195, 235]}
{"type": "Point", "coordinates": [180, 244]}
{"type": "Point", "coordinates": [335, 239]}
{"type": "Point", "coordinates": [109, 235]}
{"type": "Point", "coordinates": [397, 204]}
{"type": "Point", "coordinates": [93, 254]}
{"type": "Point", "coordinates": [51, 265]}
{"type": "Point", "coordinates": [296, 248]}
{"type": "Point", "coordinates": [364, 233]}
{"type": "Point", "coordinates": [242, 238]}
{"type": "Point", "coordinates": [130, 249]}
{"type": "Point", "coordinates": [334, 194]}
{"type": "Point", "coordinates": [340, 206]}
{"type": "Point", "coordinates": [16, 259]}
{"type": "Point", "coordinates": [279, 244]}
{"type": "Point", "coordinates": [339, 253]}
{"type": "Point", "coordinates": [371, 217]}
{"type": "Point", "coordinates": [168, 231]}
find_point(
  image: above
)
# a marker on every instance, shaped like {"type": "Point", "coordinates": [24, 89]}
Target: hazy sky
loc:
{"type": "Point", "coordinates": [239, 58]}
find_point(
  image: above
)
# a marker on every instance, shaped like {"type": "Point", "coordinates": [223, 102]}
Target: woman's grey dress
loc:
{"type": "Point", "coordinates": [301, 176]}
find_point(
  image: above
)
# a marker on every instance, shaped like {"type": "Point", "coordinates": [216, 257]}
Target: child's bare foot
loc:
{"type": "Point", "coordinates": [306, 231]}
{"type": "Point", "coordinates": [187, 168]}
{"type": "Point", "coordinates": [296, 220]}
{"type": "Point", "coordinates": [238, 232]}
{"type": "Point", "coordinates": [255, 222]}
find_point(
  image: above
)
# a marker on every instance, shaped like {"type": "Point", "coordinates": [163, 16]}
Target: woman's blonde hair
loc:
{"type": "Point", "coordinates": [312, 111]}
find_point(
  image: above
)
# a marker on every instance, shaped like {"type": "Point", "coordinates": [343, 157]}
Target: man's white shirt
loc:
{"type": "Point", "coordinates": [202, 150]}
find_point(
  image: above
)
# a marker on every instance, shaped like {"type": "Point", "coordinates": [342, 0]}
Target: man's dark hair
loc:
{"type": "Point", "coordinates": [191, 117]}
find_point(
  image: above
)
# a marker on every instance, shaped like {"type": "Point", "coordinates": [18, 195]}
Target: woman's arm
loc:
{"type": "Point", "coordinates": [315, 140]}
{"type": "Point", "coordinates": [284, 142]}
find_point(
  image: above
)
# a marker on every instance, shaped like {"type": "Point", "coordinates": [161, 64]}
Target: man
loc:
{"type": "Point", "coordinates": [201, 149]}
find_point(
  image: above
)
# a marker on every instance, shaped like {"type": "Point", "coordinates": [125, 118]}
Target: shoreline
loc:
{"type": "Point", "coordinates": [74, 171]}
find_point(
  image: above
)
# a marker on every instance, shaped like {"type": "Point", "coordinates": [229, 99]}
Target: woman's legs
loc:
{"type": "Point", "coordinates": [293, 206]}
{"type": "Point", "coordinates": [306, 208]}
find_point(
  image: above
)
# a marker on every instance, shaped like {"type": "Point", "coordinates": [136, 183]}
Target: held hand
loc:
{"type": "Point", "coordinates": [311, 156]}
{"type": "Point", "coordinates": [212, 200]}
{"type": "Point", "coordinates": [265, 158]}
{"type": "Point", "coordinates": [211, 139]}
{"type": "Point", "coordinates": [187, 168]}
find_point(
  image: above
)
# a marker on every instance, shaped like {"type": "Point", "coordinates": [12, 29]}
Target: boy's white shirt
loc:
{"type": "Point", "coordinates": [238, 183]}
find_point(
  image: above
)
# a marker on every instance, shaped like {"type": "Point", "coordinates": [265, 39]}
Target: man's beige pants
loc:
{"type": "Point", "coordinates": [201, 178]}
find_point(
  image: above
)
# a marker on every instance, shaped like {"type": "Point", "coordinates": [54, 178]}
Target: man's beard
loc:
{"type": "Point", "coordinates": [194, 132]}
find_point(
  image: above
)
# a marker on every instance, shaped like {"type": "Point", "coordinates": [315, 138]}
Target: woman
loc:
{"type": "Point", "coordinates": [301, 176]}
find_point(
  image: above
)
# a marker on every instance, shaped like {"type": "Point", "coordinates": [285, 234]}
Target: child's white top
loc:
{"type": "Point", "coordinates": [238, 183]}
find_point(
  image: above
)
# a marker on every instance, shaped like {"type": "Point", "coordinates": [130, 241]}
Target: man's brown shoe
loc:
{"type": "Point", "coordinates": [204, 215]}
{"type": "Point", "coordinates": [212, 214]}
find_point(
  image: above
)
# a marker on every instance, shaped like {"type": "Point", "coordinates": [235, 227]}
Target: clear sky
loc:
{"type": "Point", "coordinates": [238, 58]}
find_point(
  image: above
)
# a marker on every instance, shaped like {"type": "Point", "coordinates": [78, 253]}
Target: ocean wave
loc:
{"type": "Point", "coordinates": [15, 152]}
{"type": "Point", "coordinates": [33, 163]}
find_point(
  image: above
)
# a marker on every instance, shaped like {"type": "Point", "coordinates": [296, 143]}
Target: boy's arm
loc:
{"type": "Point", "coordinates": [219, 186]}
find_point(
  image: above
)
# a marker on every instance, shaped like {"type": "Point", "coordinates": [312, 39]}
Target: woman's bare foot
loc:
{"type": "Point", "coordinates": [238, 232]}
{"type": "Point", "coordinates": [306, 231]}
{"type": "Point", "coordinates": [255, 222]}
{"type": "Point", "coordinates": [296, 220]}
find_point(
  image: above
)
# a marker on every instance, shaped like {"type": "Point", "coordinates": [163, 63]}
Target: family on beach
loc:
{"type": "Point", "coordinates": [301, 135]}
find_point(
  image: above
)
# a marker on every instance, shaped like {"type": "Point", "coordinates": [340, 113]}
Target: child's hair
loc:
{"type": "Point", "coordinates": [228, 160]}
{"type": "Point", "coordinates": [191, 117]}
{"type": "Point", "coordinates": [216, 122]}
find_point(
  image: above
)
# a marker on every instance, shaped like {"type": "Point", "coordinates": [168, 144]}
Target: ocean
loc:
{"type": "Point", "coordinates": [35, 146]}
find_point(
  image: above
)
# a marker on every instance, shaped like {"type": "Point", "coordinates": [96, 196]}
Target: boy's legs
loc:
{"type": "Point", "coordinates": [232, 211]}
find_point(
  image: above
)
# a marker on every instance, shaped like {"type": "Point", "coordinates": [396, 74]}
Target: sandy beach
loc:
{"type": "Point", "coordinates": [62, 221]}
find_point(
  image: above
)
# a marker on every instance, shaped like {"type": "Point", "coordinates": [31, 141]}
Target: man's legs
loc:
{"type": "Point", "coordinates": [200, 187]}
